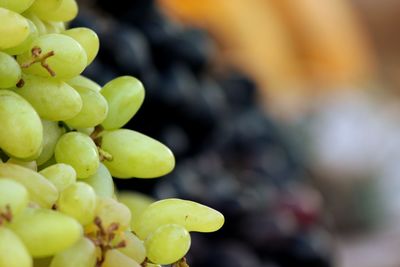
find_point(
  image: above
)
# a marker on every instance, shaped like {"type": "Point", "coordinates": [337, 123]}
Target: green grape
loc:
{"type": "Point", "coordinates": [136, 155]}
{"type": "Point", "coordinates": [82, 81]}
{"type": "Point", "coordinates": [124, 96]}
{"type": "Point", "coordinates": [16, 6]}
{"type": "Point", "coordinates": [42, 262]}
{"type": "Point", "coordinates": [14, 195]}
{"type": "Point", "coordinates": [148, 264]}
{"type": "Point", "coordinates": [79, 151]}
{"type": "Point", "coordinates": [65, 12]}
{"type": "Point", "coordinates": [60, 175]}
{"type": "Point", "coordinates": [46, 232]}
{"type": "Point", "coordinates": [111, 211]}
{"type": "Point", "coordinates": [81, 254]}
{"type": "Point", "coordinates": [13, 252]}
{"type": "Point", "coordinates": [21, 132]}
{"type": "Point", "coordinates": [114, 258]}
{"type": "Point", "coordinates": [53, 100]}
{"type": "Point", "coordinates": [78, 201]}
{"type": "Point", "coordinates": [136, 202]}
{"type": "Point", "coordinates": [168, 244]}
{"type": "Point", "coordinates": [191, 215]}
{"type": "Point", "coordinates": [10, 71]}
{"type": "Point", "coordinates": [14, 28]}
{"type": "Point", "coordinates": [134, 247]}
{"type": "Point", "coordinates": [88, 40]}
{"type": "Point", "coordinates": [64, 56]}
{"type": "Point", "coordinates": [39, 24]}
{"type": "Point", "coordinates": [54, 26]}
{"type": "Point", "coordinates": [40, 189]}
{"type": "Point", "coordinates": [22, 47]}
{"type": "Point", "coordinates": [32, 165]}
{"type": "Point", "coordinates": [88, 131]}
{"type": "Point", "coordinates": [42, 7]}
{"type": "Point", "coordinates": [93, 112]}
{"type": "Point", "coordinates": [51, 133]}
{"type": "Point", "coordinates": [101, 182]}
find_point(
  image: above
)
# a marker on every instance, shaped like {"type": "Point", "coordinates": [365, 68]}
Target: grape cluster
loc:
{"type": "Point", "coordinates": [232, 156]}
{"type": "Point", "coordinates": [61, 143]}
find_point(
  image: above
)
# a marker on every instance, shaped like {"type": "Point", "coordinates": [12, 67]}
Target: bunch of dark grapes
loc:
{"type": "Point", "coordinates": [230, 154]}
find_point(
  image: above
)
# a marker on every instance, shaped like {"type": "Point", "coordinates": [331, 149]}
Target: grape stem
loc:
{"type": "Point", "coordinates": [104, 155]}
{"type": "Point", "coordinates": [6, 216]}
{"type": "Point", "coordinates": [37, 57]}
{"type": "Point", "coordinates": [181, 263]}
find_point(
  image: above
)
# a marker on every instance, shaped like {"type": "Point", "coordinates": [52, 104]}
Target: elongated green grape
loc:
{"type": "Point", "coordinates": [88, 39]}
{"type": "Point", "coordinates": [10, 71]}
{"type": "Point", "coordinates": [13, 252]}
{"type": "Point", "coordinates": [93, 112]}
{"type": "Point", "coordinates": [60, 175]}
{"type": "Point", "coordinates": [136, 155]}
{"type": "Point", "coordinates": [81, 254]}
{"type": "Point", "coordinates": [52, 99]}
{"type": "Point", "coordinates": [64, 56]}
{"type": "Point", "coordinates": [14, 195]}
{"type": "Point", "coordinates": [27, 164]}
{"type": "Point", "coordinates": [124, 96]}
{"type": "Point", "coordinates": [78, 201]}
{"type": "Point", "coordinates": [114, 258]}
{"type": "Point", "coordinates": [51, 133]}
{"type": "Point", "coordinates": [136, 202]}
{"type": "Point", "coordinates": [40, 189]}
{"type": "Point", "coordinates": [168, 244]}
{"type": "Point", "coordinates": [39, 24]}
{"type": "Point", "coordinates": [24, 140]}
{"type": "Point", "coordinates": [46, 232]}
{"type": "Point", "coordinates": [134, 247]}
{"type": "Point", "coordinates": [79, 151]}
{"type": "Point", "coordinates": [111, 211]}
{"type": "Point", "coordinates": [65, 12]}
{"type": "Point", "coordinates": [16, 6]}
{"type": "Point", "coordinates": [42, 7]}
{"type": "Point", "coordinates": [191, 215]}
{"type": "Point", "coordinates": [82, 81]}
{"type": "Point", "coordinates": [101, 182]}
{"type": "Point", "coordinates": [14, 28]}
{"type": "Point", "coordinates": [22, 47]}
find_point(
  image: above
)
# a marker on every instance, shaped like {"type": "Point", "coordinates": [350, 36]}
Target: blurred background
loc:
{"type": "Point", "coordinates": [284, 115]}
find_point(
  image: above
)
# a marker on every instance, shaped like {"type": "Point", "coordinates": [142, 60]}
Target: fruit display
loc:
{"type": "Point", "coordinates": [231, 155]}
{"type": "Point", "coordinates": [61, 144]}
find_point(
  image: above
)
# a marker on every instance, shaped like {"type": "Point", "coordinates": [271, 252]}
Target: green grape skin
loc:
{"type": "Point", "coordinates": [82, 81]}
{"type": "Point", "coordinates": [60, 175]}
{"type": "Point", "coordinates": [25, 140]}
{"type": "Point", "coordinates": [69, 58]}
{"type": "Point", "coordinates": [167, 244]}
{"type": "Point", "coordinates": [32, 165]}
{"type": "Point", "coordinates": [124, 95]}
{"type": "Point", "coordinates": [10, 71]}
{"type": "Point", "coordinates": [134, 248]}
{"type": "Point", "coordinates": [111, 211]}
{"type": "Point", "coordinates": [81, 254]}
{"type": "Point", "coordinates": [16, 6]}
{"type": "Point", "coordinates": [39, 24]}
{"type": "Point", "coordinates": [52, 99]}
{"type": "Point", "coordinates": [93, 112]}
{"type": "Point", "coordinates": [13, 252]}
{"type": "Point", "coordinates": [88, 39]}
{"type": "Point", "coordinates": [14, 195]}
{"type": "Point", "coordinates": [22, 47]}
{"type": "Point", "coordinates": [40, 190]}
{"type": "Point", "coordinates": [46, 232]}
{"type": "Point", "coordinates": [136, 202]}
{"type": "Point", "coordinates": [67, 11]}
{"type": "Point", "coordinates": [54, 26]}
{"type": "Point", "coordinates": [41, 7]}
{"type": "Point", "coordinates": [136, 155]}
{"type": "Point", "coordinates": [78, 201]}
{"type": "Point", "coordinates": [191, 215]}
{"type": "Point", "coordinates": [101, 182]}
{"type": "Point", "coordinates": [79, 151]}
{"type": "Point", "coordinates": [14, 28]}
{"type": "Point", "coordinates": [148, 264]}
{"type": "Point", "coordinates": [114, 258]}
{"type": "Point", "coordinates": [51, 133]}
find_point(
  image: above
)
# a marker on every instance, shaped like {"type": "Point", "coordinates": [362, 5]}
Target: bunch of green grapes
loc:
{"type": "Point", "coordinates": [61, 142]}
